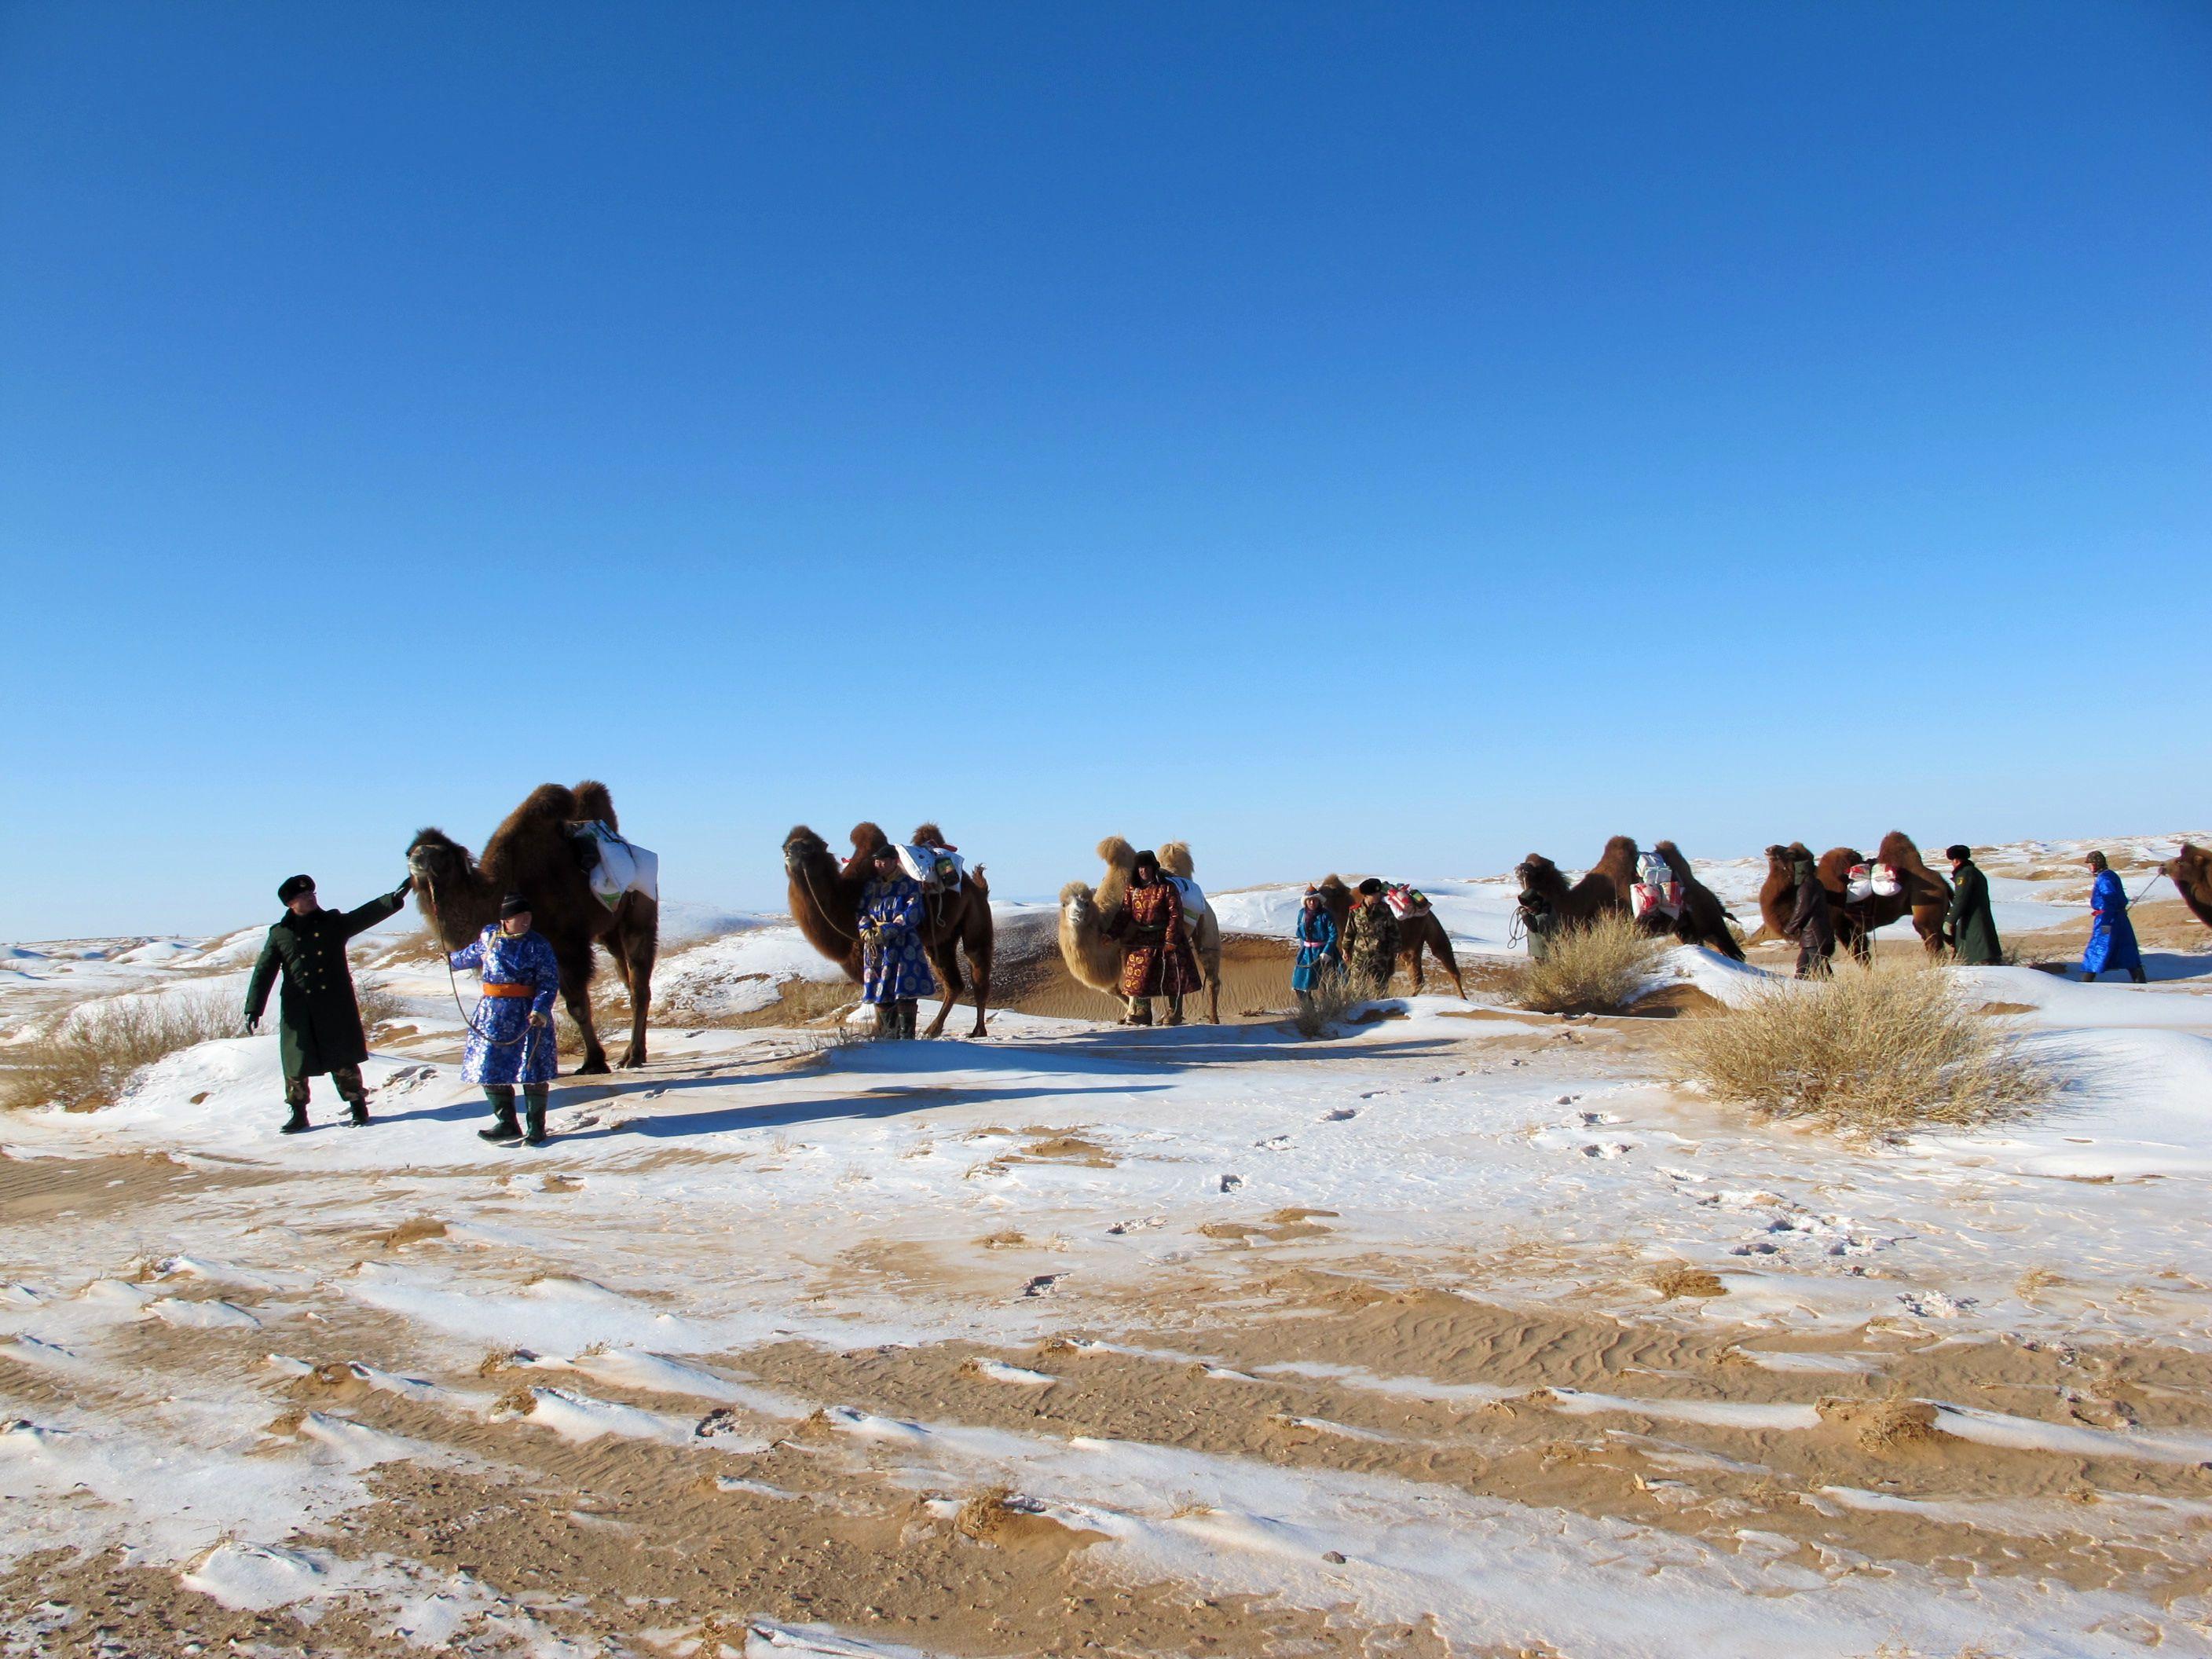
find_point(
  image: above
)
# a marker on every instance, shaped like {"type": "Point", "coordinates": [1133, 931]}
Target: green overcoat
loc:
{"type": "Point", "coordinates": [1973, 930]}
{"type": "Point", "coordinates": [319, 1022]}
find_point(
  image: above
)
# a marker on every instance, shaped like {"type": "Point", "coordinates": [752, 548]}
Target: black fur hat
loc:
{"type": "Point", "coordinates": [293, 886]}
{"type": "Point", "coordinates": [513, 905]}
{"type": "Point", "coordinates": [1371, 886]}
{"type": "Point", "coordinates": [1957, 851]}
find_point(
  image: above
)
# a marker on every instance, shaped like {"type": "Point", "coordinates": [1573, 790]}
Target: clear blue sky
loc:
{"type": "Point", "coordinates": [1392, 437]}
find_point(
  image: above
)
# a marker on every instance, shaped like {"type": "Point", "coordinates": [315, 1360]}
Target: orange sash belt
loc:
{"type": "Point", "coordinates": [510, 990]}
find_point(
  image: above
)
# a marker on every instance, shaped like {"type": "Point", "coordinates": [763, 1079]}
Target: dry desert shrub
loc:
{"type": "Point", "coordinates": [378, 1006]}
{"type": "Point", "coordinates": [86, 1058]}
{"type": "Point", "coordinates": [1330, 1001]}
{"type": "Point", "coordinates": [1593, 967]}
{"type": "Point", "coordinates": [1881, 1049]}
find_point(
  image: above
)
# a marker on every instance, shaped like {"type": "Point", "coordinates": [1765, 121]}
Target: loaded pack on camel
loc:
{"type": "Point", "coordinates": [825, 902]}
{"type": "Point", "coordinates": [539, 853]}
{"type": "Point", "coordinates": [1864, 895]}
{"type": "Point", "coordinates": [1672, 903]}
{"type": "Point", "coordinates": [1419, 932]}
{"type": "Point", "coordinates": [1095, 958]}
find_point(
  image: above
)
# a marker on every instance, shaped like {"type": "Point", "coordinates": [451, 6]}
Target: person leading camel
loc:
{"type": "Point", "coordinates": [318, 1021]}
{"type": "Point", "coordinates": [1317, 952]}
{"type": "Point", "coordinates": [1812, 924]}
{"type": "Point", "coordinates": [1160, 962]}
{"type": "Point", "coordinates": [511, 1041]}
{"type": "Point", "coordinates": [2111, 945]}
{"type": "Point", "coordinates": [894, 967]}
{"type": "Point", "coordinates": [1371, 941]}
{"type": "Point", "coordinates": [1970, 927]}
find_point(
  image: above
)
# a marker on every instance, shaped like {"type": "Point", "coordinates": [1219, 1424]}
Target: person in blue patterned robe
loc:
{"type": "Point", "coordinates": [511, 1041]}
{"type": "Point", "coordinates": [894, 969]}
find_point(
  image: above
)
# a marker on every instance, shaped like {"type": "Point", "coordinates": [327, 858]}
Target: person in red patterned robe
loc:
{"type": "Point", "coordinates": [1160, 962]}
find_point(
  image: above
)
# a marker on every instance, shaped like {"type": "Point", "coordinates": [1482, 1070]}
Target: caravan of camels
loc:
{"type": "Point", "coordinates": [538, 852]}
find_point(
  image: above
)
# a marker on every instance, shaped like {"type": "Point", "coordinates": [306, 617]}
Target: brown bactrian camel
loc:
{"type": "Point", "coordinates": [1604, 888]}
{"type": "Point", "coordinates": [532, 855]}
{"type": "Point", "coordinates": [825, 903]}
{"type": "Point", "coordinates": [1086, 913]}
{"type": "Point", "coordinates": [1922, 892]}
{"type": "Point", "coordinates": [1418, 932]}
{"type": "Point", "coordinates": [1703, 919]}
{"type": "Point", "coordinates": [2190, 872]}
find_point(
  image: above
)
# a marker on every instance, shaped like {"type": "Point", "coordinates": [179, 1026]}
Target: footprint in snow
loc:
{"type": "Point", "coordinates": [1230, 1183]}
{"type": "Point", "coordinates": [1121, 1229]}
{"type": "Point", "coordinates": [1605, 1148]}
{"type": "Point", "coordinates": [1591, 1120]}
{"type": "Point", "coordinates": [1043, 1285]}
{"type": "Point", "coordinates": [1273, 1143]}
{"type": "Point", "coordinates": [1342, 1113]}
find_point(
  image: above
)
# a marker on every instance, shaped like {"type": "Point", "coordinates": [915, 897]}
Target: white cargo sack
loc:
{"type": "Point", "coordinates": [623, 867]}
{"type": "Point", "coordinates": [1885, 882]}
{"type": "Point", "coordinates": [1193, 896]}
{"type": "Point", "coordinates": [933, 866]}
{"type": "Point", "coordinates": [1858, 885]}
{"type": "Point", "coordinates": [1655, 888]}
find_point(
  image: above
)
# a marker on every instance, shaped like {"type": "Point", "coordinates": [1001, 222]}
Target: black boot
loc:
{"type": "Point", "coordinates": [908, 1013]}
{"type": "Point", "coordinates": [534, 1111]}
{"type": "Point", "coordinates": [295, 1123]}
{"type": "Point", "coordinates": [358, 1117]}
{"type": "Point", "coordinates": [503, 1127]}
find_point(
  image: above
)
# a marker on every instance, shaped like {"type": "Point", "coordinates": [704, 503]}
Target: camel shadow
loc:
{"type": "Point", "coordinates": [874, 1104]}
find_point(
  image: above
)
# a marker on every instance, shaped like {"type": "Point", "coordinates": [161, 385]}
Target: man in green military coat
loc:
{"type": "Point", "coordinates": [1970, 929]}
{"type": "Point", "coordinates": [319, 1019]}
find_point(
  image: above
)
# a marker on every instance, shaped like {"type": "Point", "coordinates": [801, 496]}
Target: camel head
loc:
{"type": "Point", "coordinates": [1538, 874]}
{"type": "Point", "coordinates": [2190, 869]}
{"type": "Point", "coordinates": [1077, 902]}
{"type": "Point", "coordinates": [801, 849]}
{"type": "Point", "coordinates": [449, 888]}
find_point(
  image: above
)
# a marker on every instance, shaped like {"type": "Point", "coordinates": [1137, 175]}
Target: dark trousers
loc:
{"type": "Point", "coordinates": [1812, 961]}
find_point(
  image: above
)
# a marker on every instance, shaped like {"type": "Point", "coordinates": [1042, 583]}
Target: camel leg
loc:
{"type": "Point", "coordinates": [979, 944]}
{"type": "Point", "coordinates": [638, 947]}
{"type": "Point", "coordinates": [577, 997]}
{"type": "Point", "coordinates": [945, 957]}
{"type": "Point", "coordinates": [1212, 965]}
{"type": "Point", "coordinates": [1445, 959]}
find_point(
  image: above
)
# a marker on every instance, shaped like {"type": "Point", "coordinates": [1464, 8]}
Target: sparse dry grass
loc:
{"type": "Point", "coordinates": [1337, 995]}
{"type": "Point", "coordinates": [378, 1006]}
{"type": "Point", "coordinates": [84, 1059]}
{"type": "Point", "coordinates": [1879, 1050]}
{"type": "Point", "coordinates": [1597, 967]}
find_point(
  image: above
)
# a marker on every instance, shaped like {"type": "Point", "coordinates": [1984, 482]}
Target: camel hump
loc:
{"type": "Point", "coordinates": [867, 837]}
{"type": "Point", "coordinates": [1899, 851]}
{"type": "Point", "coordinates": [928, 835]}
{"type": "Point", "coordinates": [1676, 861]}
{"type": "Point", "coordinates": [595, 802]}
{"type": "Point", "coordinates": [547, 800]}
{"type": "Point", "coordinates": [1117, 852]}
{"type": "Point", "coordinates": [1175, 859]}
